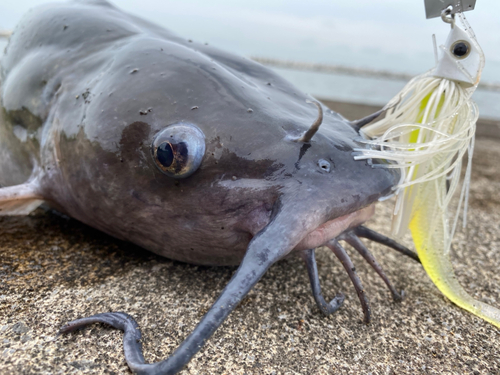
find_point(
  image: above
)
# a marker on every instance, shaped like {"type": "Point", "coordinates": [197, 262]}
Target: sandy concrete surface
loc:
{"type": "Point", "coordinates": [54, 269]}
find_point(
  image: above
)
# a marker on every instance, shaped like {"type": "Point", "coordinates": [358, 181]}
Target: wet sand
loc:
{"type": "Point", "coordinates": [55, 269]}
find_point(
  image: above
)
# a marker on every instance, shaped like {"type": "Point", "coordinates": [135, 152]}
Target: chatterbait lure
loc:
{"type": "Point", "coordinates": [427, 133]}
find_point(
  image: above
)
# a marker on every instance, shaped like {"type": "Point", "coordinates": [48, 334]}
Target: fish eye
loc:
{"type": "Point", "coordinates": [178, 150]}
{"type": "Point", "coordinates": [461, 49]}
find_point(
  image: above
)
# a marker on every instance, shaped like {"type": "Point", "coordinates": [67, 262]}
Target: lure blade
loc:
{"type": "Point", "coordinates": [433, 8]}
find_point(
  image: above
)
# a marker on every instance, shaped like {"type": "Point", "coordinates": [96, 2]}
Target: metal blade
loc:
{"type": "Point", "coordinates": [433, 8]}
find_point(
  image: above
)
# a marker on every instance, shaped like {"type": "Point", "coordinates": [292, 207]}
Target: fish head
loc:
{"type": "Point", "coordinates": [177, 146]}
{"type": "Point", "coordinates": [188, 147]}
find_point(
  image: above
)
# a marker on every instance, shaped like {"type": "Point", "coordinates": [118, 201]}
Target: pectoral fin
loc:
{"type": "Point", "coordinates": [20, 199]}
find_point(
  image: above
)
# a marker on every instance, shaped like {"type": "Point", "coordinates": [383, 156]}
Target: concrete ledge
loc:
{"type": "Point", "coordinates": [486, 128]}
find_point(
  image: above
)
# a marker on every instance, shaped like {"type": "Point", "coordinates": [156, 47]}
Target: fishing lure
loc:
{"type": "Point", "coordinates": [427, 133]}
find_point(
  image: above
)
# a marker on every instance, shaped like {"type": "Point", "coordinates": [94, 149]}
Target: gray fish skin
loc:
{"type": "Point", "coordinates": [85, 89]}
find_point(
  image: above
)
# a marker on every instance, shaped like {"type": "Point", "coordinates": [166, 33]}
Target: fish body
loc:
{"type": "Point", "coordinates": [85, 89]}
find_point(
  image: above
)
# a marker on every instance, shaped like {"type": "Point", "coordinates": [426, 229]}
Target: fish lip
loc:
{"type": "Point", "coordinates": [333, 228]}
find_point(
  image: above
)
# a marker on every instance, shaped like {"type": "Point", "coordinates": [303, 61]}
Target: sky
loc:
{"type": "Point", "coordinates": [377, 34]}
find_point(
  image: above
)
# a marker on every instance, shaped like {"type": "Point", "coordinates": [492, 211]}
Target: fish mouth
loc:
{"type": "Point", "coordinates": [333, 228]}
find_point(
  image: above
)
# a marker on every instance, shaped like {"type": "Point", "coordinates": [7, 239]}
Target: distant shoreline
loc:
{"type": "Point", "coordinates": [486, 128]}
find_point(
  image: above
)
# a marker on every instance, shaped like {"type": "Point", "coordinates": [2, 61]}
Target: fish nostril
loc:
{"type": "Point", "coordinates": [324, 165]}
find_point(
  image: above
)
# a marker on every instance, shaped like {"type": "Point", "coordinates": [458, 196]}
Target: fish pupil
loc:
{"type": "Point", "coordinates": [165, 154]}
{"type": "Point", "coordinates": [460, 49]}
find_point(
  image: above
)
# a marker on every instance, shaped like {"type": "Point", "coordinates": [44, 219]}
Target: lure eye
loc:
{"type": "Point", "coordinates": [178, 150]}
{"type": "Point", "coordinates": [324, 165]}
{"type": "Point", "coordinates": [461, 49]}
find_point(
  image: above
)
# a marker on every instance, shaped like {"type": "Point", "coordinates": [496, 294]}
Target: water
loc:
{"type": "Point", "coordinates": [371, 90]}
